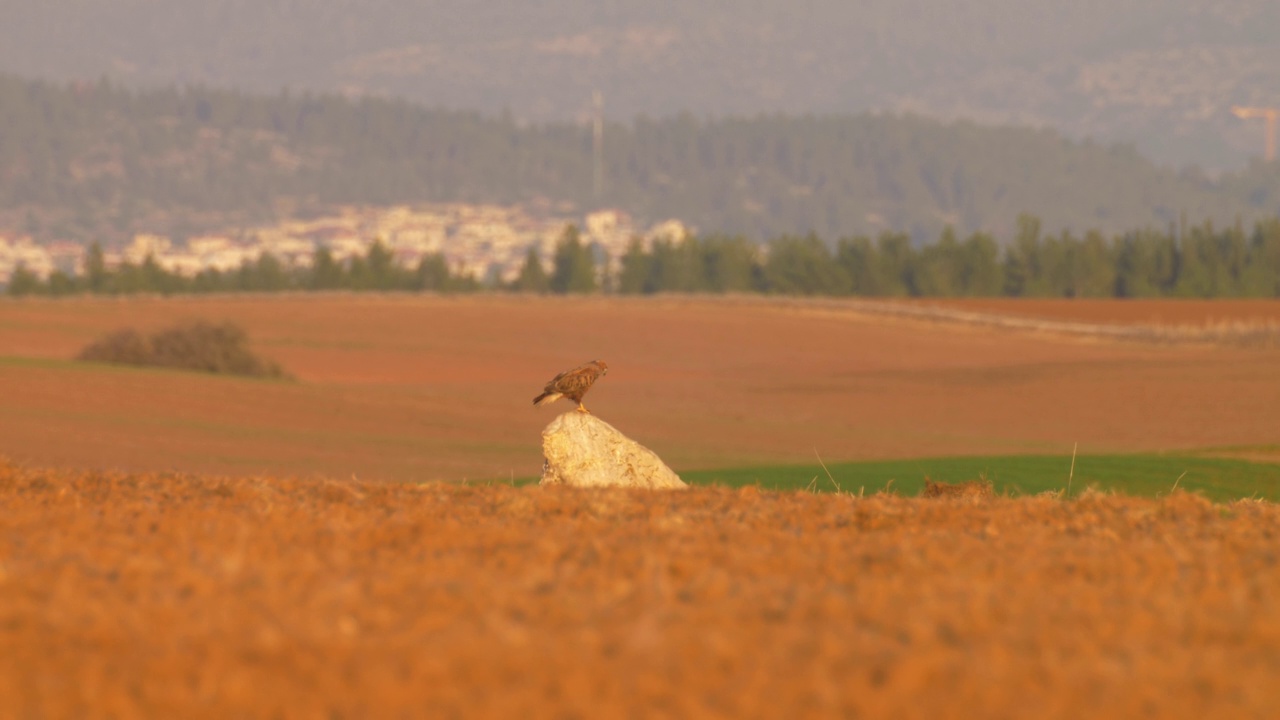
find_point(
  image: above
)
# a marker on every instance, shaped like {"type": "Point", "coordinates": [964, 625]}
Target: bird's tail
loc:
{"type": "Point", "coordinates": [547, 398]}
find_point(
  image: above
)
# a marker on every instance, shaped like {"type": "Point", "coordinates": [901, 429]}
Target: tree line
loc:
{"type": "Point", "coordinates": [1198, 261]}
{"type": "Point", "coordinates": [99, 161]}
{"type": "Point", "coordinates": [376, 270]}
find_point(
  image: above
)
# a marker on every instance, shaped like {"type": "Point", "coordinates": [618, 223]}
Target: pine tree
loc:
{"type": "Point", "coordinates": [381, 267]}
{"type": "Point", "coordinates": [533, 278]}
{"type": "Point", "coordinates": [433, 274]}
{"type": "Point", "coordinates": [23, 282]}
{"type": "Point", "coordinates": [980, 272]}
{"type": "Point", "coordinates": [1021, 260]}
{"type": "Point", "coordinates": [634, 274]}
{"type": "Point", "coordinates": [59, 284]}
{"type": "Point", "coordinates": [896, 261]}
{"type": "Point", "coordinates": [675, 266]}
{"type": "Point", "coordinates": [326, 273]}
{"type": "Point", "coordinates": [730, 264]}
{"type": "Point", "coordinates": [95, 269]}
{"type": "Point", "coordinates": [575, 269]}
{"type": "Point", "coordinates": [804, 266]}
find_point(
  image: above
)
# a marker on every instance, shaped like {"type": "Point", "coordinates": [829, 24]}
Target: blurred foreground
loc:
{"type": "Point", "coordinates": [188, 596]}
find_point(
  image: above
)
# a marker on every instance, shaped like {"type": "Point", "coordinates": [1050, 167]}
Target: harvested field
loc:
{"type": "Point", "coordinates": [402, 387]}
{"type": "Point", "coordinates": [1243, 324]}
{"type": "Point", "coordinates": [1162, 312]}
{"type": "Point", "coordinates": [179, 596]}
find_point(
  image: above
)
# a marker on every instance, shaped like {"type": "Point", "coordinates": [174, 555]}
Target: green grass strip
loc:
{"type": "Point", "coordinates": [1141, 475]}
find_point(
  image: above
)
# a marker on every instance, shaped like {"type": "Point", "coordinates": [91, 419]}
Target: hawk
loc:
{"type": "Point", "coordinates": [572, 384]}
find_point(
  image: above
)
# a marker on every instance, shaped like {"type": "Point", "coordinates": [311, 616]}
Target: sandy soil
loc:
{"type": "Point", "coordinates": [164, 596]}
{"type": "Point", "coordinates": [420, 388]}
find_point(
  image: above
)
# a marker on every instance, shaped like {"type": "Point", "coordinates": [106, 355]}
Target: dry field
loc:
{"type": "Point", "coordinates": [165, 596]}
{"type": "Point", "coordinates": [271, 583]}
{"type": "Point", "coordinates": [1162, 312]}
{"type": "Point", "coordinates": [421, 388]}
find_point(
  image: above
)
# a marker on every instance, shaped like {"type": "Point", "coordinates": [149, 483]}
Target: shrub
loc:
{"type": "Point", "coordinates": [971, 489]}
{"type": "Point", "coordinates": [201, 346]}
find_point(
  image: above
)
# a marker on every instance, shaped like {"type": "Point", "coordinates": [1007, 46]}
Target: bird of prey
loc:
{"type": "Point", "coordinates": [572, 384]}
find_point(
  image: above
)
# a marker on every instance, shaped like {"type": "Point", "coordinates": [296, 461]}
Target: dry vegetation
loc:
{"type": "Point", "coordinates": [981, 489]}
{"type": "Point", "coordinates": [201, 346]}
{"type": "Point", "coordinates": [182, 596]}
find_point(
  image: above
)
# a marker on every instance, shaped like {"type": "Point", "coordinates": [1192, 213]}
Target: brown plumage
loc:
{"type": "Point", "coordinates": [572, 384]}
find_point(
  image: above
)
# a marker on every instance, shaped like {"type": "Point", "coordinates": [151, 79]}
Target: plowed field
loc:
{"type": "Point", "coordinates": [165, 596]}
{"type": "Point", "coordinates": [420, 388]}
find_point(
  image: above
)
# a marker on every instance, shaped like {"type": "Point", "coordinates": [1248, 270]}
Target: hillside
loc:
{"type": "Point", "coordinates": [97, 161]}
{"type": "Point", "coordinates": [1159, 73]}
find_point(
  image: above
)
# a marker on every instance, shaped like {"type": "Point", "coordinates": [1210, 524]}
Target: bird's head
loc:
{"type": "Point", "coordinates": [604, 369]}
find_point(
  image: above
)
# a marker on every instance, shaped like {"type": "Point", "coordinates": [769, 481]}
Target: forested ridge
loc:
{"type": "Point", "coordinates": [98, 162]}
{"type": "Point", "coordinates": [1162, 74]}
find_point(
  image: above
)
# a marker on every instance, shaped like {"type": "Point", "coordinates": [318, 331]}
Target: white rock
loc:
{"type": "Point", "coordinates": [582, 450]}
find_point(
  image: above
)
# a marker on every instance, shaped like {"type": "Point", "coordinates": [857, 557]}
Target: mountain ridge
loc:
{"type": "Point", "coordinates": [1160, 74]}
{"type": "Point", "coordinates": [93, 160]}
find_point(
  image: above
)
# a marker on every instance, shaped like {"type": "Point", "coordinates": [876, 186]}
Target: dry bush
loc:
{"type": "Point", "coordinates": [976, 489]}
{"type": "Point", "coordinates": [200, 346]}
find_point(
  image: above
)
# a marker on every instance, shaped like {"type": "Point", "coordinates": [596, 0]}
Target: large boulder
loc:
{"type": "Point", "coordinates": [582, 450]}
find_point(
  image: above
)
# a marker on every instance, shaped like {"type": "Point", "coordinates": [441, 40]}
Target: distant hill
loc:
{"type": "Point", "coordinates": [1159, 74]}
{"type": "Point", "coordinates": [94, 161]}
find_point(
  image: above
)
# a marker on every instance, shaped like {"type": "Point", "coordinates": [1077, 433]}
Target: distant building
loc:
{"type": "Point", "coordinates": [489, 241]}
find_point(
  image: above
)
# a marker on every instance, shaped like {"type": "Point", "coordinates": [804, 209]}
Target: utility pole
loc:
{"type": "Point", "coordinates": [597, 144]}
{"type": "Point", "coordinates": [1271, 115]}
